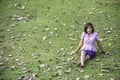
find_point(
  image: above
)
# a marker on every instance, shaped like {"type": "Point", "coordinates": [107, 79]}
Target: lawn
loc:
{"type": "Point", "coordinates": [37, 36]}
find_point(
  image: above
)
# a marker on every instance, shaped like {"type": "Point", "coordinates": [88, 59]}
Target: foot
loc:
{"type": "Point", "coordinates": [82, 66]}
{"type": "Point", "coordinates": [77, 63]}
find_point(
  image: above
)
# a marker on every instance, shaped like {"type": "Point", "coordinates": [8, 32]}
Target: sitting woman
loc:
{"type": "Point", "coordinates": [87, 44]}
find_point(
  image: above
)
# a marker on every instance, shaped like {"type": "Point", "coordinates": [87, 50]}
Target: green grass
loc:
{"type": "Point", "coordinates": [63, 15]}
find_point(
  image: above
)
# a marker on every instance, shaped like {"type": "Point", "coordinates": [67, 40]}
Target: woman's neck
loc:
{"type": "Point", "coordinates": [88, 33]}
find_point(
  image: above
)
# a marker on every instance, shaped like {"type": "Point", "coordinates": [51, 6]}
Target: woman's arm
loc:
{"type": "Point", "coordinates": [79, 46]}
{"type": "Point", "coordinates": [100, 46]}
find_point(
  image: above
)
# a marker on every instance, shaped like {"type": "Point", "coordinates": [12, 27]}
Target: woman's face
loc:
{"type": "Point", "coordinates": [89, 30]}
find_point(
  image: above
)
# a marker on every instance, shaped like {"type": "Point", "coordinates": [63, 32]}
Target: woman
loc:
{"type": "Point", "coordinates": [87, 44]}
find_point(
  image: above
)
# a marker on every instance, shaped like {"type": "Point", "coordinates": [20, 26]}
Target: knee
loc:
{"type": "Point", "coordinates": [83, 52]}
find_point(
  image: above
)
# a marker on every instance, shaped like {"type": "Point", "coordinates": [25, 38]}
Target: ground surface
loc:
{"type": "Point", "coordinates": [36, 37]}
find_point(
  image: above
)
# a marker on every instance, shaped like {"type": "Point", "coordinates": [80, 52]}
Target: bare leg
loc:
{"type": "Point", "coordinates": [86, 58]}
{"type": "Point", "coordinates": [83, 56]}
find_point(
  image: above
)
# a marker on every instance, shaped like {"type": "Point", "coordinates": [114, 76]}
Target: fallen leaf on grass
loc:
{"type": "Point", "coordinates": [111, 79]}
{"type": "Point", "coordinates": [13, 37]}
{"type": "Point", "coordinates": [27, 77]}
{"type": "Point", "coordinates": [59, 67]}
{"type": "Point", "coordinates": [116, 68]}
{"type": "Point", "coordinates": [78, 78]}
{"type": "Point", "coordinates": [101, 74]}
{"type": "Point", "coordinates": [104, 71]}
{"type": "Point", "coordinates": [13, 67]}
{"type": "Point", "coordinates": [2, 53]}
{"type": "Point", "coordinates": [42, 65]}
{"type": "Point", "coordinates": [86, 77]}
{"type": "Point", "coordinates": [44, 38]}
{"type": "Point", "coordinates": [16, 60]}
{"type": "Point", "coordinates": [82, 71]}
{"type": "Point", "coordinates": [69, 59]}
{"type": "Point", "coordinates": [34, 56]}
{"type": "Point", "coordinates": [10, 55]}
{"type": "Point", "coordinates": [90, 13]}
{"type": "Point", "coordinates": [47, 29]}
{"type": "Point", "coordinates": [2, 68]}
{"type": "Point", "coordinates": [55, 29]}
{"type": "Point", "coordinates": [68, 71]}
{"type": "Point", "coordinates": [98, 60]}
{"type": "Point", "coordinates": [22, 7]}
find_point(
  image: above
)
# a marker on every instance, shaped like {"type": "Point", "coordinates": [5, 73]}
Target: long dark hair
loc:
{"type": "Point", "coordinates": [87, 25]}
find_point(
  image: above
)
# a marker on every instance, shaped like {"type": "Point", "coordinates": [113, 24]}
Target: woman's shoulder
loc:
{"type": "Point", "coordinates": [95, 33]}
{"type": "Point", "coordinates": [83, 33]}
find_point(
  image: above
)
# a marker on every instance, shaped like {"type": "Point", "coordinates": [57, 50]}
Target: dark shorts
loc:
{"type": "Point", "coordinates": [90, 53]}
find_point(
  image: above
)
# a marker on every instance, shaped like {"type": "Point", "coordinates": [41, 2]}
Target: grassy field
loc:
{"type": "Point", "coordinates": [36, 37]}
